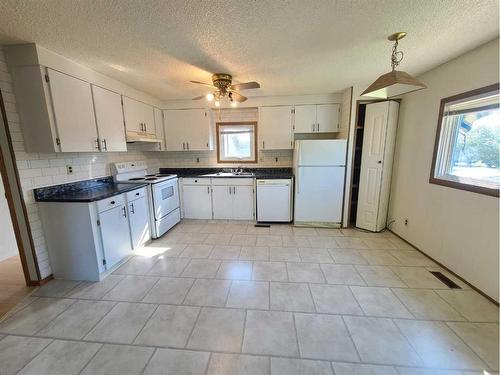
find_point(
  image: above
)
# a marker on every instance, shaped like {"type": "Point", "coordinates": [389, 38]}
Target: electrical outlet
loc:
{"type": "Point", "coordinates": [197, 160]}
{"type": "Point", "coordinates": [406, 221]}
{"type": "Point", "coordinates": [69, 169]}
{"type": "Point", "coordinates": [276, 159]}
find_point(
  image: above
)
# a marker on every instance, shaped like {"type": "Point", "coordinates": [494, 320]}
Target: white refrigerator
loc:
{"type": "Point", "coordinates": [319, 168]}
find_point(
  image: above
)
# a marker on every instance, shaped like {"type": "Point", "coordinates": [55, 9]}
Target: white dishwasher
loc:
{"type": "Point", "coordinates": [274, 200]}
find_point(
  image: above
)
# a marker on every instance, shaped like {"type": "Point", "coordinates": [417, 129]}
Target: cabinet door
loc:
{"type": "Point", "coordinates": [139, 117]}
{"type": "Point", "coordinates": [115, 235]}
{"type": "Point", "coordinates": [243, 203]}
{"type": "Point", "coordinates": [222, 198]}
{"type": "Point", "coordinates": [197, 130]}
{"type": "Point", "coordinates": [275, 128]}
{"type": "Point", "coordinates": [159, 128]}
{"type": "Point", "coordinates": [73, 112]}
{"type": "Point", "coordinates": [197, 202]}
{"type": "Point", "coordinates": [305, 118]}
{"type": "Point", "coordinates": [175, 125]}
{"type": "Point", "coordinates": [327, 118]}
{"type": "Point", "coordinates": [109, 118]}
{"type": "Point", "coordinates": [138, 216]}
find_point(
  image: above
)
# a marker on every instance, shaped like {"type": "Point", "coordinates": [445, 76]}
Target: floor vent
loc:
{"type": "Point", "coordinates": [262, 225]}
{"type": "Point", "coordinates": [445, 280]}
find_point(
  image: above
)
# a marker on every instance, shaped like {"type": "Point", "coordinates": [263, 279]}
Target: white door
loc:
{"type": "Point", "coordinates": [197, 130]}
{"type": "Point", "coordinates": [327, 118]}
{"type": "Point", "coordinates": [243, 203]}
{"type": "Point", "coordinates": [319, 194]}
{"type": "Point", "coordinates": [175, 125]}
{"type": "Point", "coordinates": [73, 112]}
{"type": "Point", "coordinates": [115, 235]}
{"type": "Point", "coordinates": [222, 198]}
{"type": "Point", "coordinates": [109, 118]}
{"type": "Point", "coordinates": [275, 128]}
{"type": "Point", "coordinates": [8, 244]}
{"type": "Point", "coordinates": [197, 202]}
{"type": "Point", "coordinates": [159, 128]}
{"type": "Point", "coordinates": [138, 216]}
{"type": "Point", "coordinates": [305, 118]}
{"type": "Point", "coordinates": [371, 165]}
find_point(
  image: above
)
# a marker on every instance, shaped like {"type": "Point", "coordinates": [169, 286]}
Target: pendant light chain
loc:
{"type": "Point", "coordinates": [397, 56]}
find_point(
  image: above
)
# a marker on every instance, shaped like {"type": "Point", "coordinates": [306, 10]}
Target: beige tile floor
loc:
{"type": "Point", "coordinates": [226, 298]}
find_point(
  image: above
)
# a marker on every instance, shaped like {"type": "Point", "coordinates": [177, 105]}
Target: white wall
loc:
{"type": "Point", "coordinates": [8, 245]}
{"type": "Point", "coordinates": [460, 229]}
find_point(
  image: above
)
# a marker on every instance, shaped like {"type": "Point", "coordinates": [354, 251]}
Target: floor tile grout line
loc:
{"type": "Point", "coordinates": [148, 361]}
{"type": "Point", "coordinates": [346, 326]}
{"type": "Point", "coordinates": [252, 354]}
{"type": "Point", "coordinates": [192, 328]}
{"type": "Point", "coordinates": [297, 342]}
{"type": "Point", "coordinates": [244, 330]}
{"type": "Point", "coordinates": [394, 321]}
{"type": "Point", "coordinates": [91, 358]}
{"type": "Point", "coordinates": [146, 322]}
{"type": "Point", "coordinates": [99, 320]}
{"type": "Point", "coordinates": [207, 366]}
{"type": "Point", "coordinates": [56, 316]}
{"type": "Point", "coordinates": [349, 287]}
{"type": "Point", "coordinates": [258, 309]}
{"type": "Point", "coordinates": [40, 352]}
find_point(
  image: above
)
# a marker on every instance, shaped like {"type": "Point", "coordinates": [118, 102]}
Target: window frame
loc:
{"type": "Point", "coordinates": [450, 183]}
{"type": "Point", "coordinates": [255, 141]}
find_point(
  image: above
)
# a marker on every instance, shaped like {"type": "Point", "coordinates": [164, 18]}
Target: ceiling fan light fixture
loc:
{"type": "Point", "coordinates": [396, 82]}
{"type": "Point", "coordinates": [234, 104]}
{"type": "Point", "coordinates": [217, 103]}
{"type": "Point", "coordinates": [210, 97]}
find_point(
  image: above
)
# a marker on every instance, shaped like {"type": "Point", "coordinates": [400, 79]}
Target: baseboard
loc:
{"type": "Point", "coordinates": [41, 282]}
{"type": "Point", "coordinates": [448, 270]}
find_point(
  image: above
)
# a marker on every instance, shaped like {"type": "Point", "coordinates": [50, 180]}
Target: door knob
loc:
{"type": "Point", "coordinates": [380, 162]}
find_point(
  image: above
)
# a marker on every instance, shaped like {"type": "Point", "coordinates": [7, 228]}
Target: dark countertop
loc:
{"type": "Point", "coordinates": [84, 191]}
{"type": "Point", "coordinates": [259, 173]}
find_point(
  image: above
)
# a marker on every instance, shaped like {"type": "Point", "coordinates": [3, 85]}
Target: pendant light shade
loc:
{"type": "Point", "coordinates": [396, 82]}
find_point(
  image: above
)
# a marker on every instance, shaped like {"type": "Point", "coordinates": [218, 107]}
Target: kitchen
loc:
{"type": "Point", "coordinates": [240, 222]}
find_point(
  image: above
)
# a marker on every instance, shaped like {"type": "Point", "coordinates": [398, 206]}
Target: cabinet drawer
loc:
{"type": "Point", "coordinates": [196, 181]}
{"type": "Point", "coordinates": [135, 194]}
{"type": "Point", "coordinates": [108, 203]}
{"type": "Point", "coordinates": [233, 181]}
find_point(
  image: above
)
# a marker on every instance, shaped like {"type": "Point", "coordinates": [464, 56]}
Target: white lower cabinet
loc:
{"type": "Point", "coordinates": [138, 217]}
{"type": "Point", "coordinates": [197, 201]}
{"type": "Point", "coordinates": [115, 235]}
{"type": "Point", "coordinates": [87, 240]}
{"type": "Point", "coordinates": [218, 198]}
{"type": "Point", "coordinates": [222, 202]}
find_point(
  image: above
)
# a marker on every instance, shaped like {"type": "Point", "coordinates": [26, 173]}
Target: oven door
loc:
{"type": "Point", "coordinates": [165, 198]}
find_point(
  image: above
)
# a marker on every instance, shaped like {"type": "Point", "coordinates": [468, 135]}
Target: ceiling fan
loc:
{"type": "Point", "coordinates": [222, 82]}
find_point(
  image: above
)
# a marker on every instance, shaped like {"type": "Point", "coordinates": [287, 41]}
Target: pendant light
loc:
{"type": "Point", "coordinates": [396, 82]}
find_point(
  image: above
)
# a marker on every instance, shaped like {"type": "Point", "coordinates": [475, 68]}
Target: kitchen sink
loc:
{"type": "Point", "coordinates": [230, 174]}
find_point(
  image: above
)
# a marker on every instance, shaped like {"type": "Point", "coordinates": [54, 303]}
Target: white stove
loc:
{"type": "Point", "coordinates": [163, 193]}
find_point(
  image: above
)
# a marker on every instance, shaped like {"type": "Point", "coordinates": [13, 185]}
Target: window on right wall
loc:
{"type": "Point", "coordinates": [467, 147]}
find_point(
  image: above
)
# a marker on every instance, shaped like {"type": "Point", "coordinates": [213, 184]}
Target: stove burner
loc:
{"type": "Point", "coordinates": [151, 179]}
{"type": "Point", "coordinates": [136, 179]}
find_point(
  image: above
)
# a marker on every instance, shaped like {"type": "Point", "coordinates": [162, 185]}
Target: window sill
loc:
{"type": "Point", "coordinates": [464, 186]}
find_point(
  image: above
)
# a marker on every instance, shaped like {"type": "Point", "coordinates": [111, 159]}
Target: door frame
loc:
{"type": "Point", "coordinates": [17, 207]}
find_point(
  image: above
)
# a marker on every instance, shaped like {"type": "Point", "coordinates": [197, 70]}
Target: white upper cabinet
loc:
{"type": "Point", "coordinates": [188, 130]}
{"type": "Point", "coordinates": [139, 117]}
{"type": "Point", "coordinates": [160, 134]}
{"type": "Point", "coordinates": [327, 118]}
{"type": "Point", "coordinates": [305, 118]}
{"type": "Point", "coordinates": [317, 118]}
{"type": "Point", "coordinates": [73, 112]}
{"type": "Point", "coordinates": [109, 118]}
{"type": "Point", "coordinates": [275, 128]}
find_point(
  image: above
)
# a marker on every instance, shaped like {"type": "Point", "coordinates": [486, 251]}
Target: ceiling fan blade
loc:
{"type": "Point", "coordinates": [198, 97]}
{"type": "Point", "coordinates": [202, 83]}
{"type": "Point", "coordinates": [238, 97]}
{"type": "Point", "coordinates": [245, 86]}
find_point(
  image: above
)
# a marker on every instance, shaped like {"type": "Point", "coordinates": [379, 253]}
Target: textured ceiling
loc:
{"type": "Point", "coordinates": [289, 46]}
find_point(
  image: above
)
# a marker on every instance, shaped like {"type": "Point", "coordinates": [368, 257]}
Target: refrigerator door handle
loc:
{"type": "Point", "coordinates": [297, 178]}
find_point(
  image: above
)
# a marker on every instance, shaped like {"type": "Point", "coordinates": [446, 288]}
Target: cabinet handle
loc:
{"type": "Point", "coordinates": [132, 208]}
{"type": "Point", "coordinates": [187, 143]}
{"type": "Point", "coordinates": [234, 190]}
{"type": "Point", "coordinates": [97, 143]}
{"type": "Point", "coordinates": [263, 145]}
{"type": "Point", "coordinates": [112, 202]}
{"type": "Point", "coordinates": [145, 127]}
{"type": "Point", "coordinates": [105, 145]}
{"type": "Point", "coordinates": [318, 126]}
{"type": "Point", "coordinates": [208, 189]}
{"type": "Point", "coordinates": [137, 194]}
{"type": "Point", "coordinates": [229, 188]}
{"type": "Point", "coordinates": [124, 211]}
{"type": "Point", "coordinates": [313, 126]}
{"type": "Point", "coordinates": [183, 146]}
